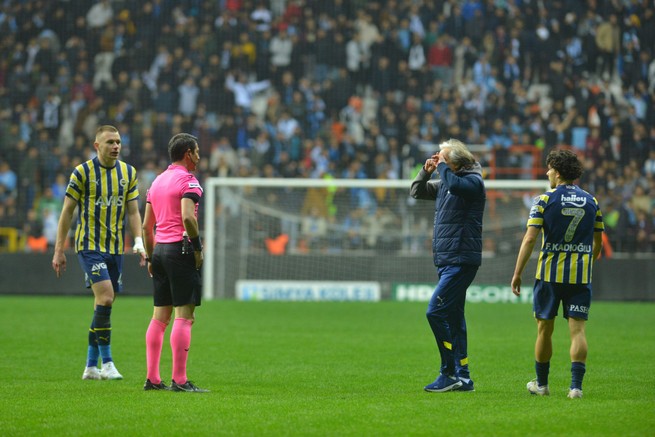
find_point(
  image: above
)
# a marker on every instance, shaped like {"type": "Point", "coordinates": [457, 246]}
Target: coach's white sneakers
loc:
{"type": "Point", "coordinates": [574, 393]}
{"type": "Point", "coordinates": [109, 371]}
{"type": "Point", "coordinates": [536, 389]}
{"type": "Point", "coordinates": [91, 373]}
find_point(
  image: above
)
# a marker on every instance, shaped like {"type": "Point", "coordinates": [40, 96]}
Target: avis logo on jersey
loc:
{"type": "Point", "coordinates": [105, 201]}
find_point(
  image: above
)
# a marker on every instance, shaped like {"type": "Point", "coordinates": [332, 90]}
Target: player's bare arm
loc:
{"type": "Point", "coordinates": [598, 244]}
{"type": "Point", "coordinates": [527, 246]}
{"type": "Point", "coordinates": [134, 221]}
{"type": "Point", "coordinates": [65, 220]}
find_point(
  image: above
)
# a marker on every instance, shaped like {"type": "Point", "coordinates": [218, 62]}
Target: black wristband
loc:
{"type": "Point", "coordinates": [197, 245]}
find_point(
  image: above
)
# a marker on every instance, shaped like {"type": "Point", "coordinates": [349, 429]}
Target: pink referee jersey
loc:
{"type": "Point", "coordinates": [165, 197]}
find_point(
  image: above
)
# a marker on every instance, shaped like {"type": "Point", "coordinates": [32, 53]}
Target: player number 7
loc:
{"type": "Point", "coordinates": [576, 214]}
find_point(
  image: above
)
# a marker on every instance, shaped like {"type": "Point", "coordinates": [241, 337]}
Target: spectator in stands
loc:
{"type": "Point", "coordinates": [188, 93]}
{"type": "Point", "coordinates": [499, 143]}
{"type": "Point", "coordinates": [357, 59]}
{"type": "Point", "coordinates": [644, 236]}
{"type": "Point", "coordinates": [100, 14]}
{"type": "Point", "coordinates": [440, 60]}
{"type": "Point", "coordinates": [262, 16]}
{"type": "Point", "coordinates": [148, 38]}
{"type": "Point", "coordinates": [608, 41]}
{"type": "Point", "coordinates": [50, 221]}
{"type": "Point", "coordinates": [58, 187]}
{"type": "Point", "coordinates": [281, 49]}
{"type": "Point", "coordinates": [33, 231]}
{"type": "Point", "coordinates": [378, 227]}
{"type": "Point", "coordinates": [649, 165]}
{"type": "Point", "coordinates": [244, 90]}
{"type": "Point", "coordinates": [8, 180]}
{"type": "Point", "coordinates": [417, 59]}
{"type": "Point", "coordinates": [313, 229]}
{"type": "Point", "coordinates": [48, 202]}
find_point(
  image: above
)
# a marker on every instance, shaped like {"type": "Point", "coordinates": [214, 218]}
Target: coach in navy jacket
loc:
{"type": "Point", "coordinates": [459, 197]}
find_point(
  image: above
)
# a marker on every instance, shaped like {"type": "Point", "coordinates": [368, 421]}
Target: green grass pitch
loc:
{"type": "Point", "coordinates": [333, 369]}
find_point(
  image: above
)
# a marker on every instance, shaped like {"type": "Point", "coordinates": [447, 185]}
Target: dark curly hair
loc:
{"type": "Point", "coordinates": [566, 163]}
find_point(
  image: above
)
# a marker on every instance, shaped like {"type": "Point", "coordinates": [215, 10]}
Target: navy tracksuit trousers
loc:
{"type": "Point", "coordinates": [446, 317]}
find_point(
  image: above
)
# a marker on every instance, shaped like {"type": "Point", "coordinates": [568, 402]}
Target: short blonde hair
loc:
{"type": "Point", "coordinates": [105, 128]}
{"type": "Point", "coordinates": [458, 154]}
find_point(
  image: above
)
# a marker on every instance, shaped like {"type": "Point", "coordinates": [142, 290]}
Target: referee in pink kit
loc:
{"type": "Point", "coordinates": [175, 256]}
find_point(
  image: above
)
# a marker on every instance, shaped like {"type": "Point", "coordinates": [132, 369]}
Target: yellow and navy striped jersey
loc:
{"type": "Point", "coordinates": [568, 217]}
{"type": "Point", "coordinates": [102, 194]}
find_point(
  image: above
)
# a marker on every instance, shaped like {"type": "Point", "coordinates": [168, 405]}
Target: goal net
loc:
{"type": "Point", "coordinates": [341, 239]}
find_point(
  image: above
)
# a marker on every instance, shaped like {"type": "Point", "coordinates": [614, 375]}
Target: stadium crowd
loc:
{"type": "Point", "coordinates": [341, 88]}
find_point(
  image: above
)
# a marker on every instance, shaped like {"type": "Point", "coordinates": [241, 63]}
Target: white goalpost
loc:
{"type": "Point", "coordinates": [340, 239]}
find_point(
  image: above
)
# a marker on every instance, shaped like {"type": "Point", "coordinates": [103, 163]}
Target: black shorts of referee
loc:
{"type": "Point", "coordinates": [176, 280]}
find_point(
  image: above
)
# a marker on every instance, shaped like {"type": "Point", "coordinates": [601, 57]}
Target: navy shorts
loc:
{"type": "Point", "coordinates": [176, 280]}
{"type": "Point", "coordinates": [575, 299]}
{"type": "Point", "coordinates": [100, 266]}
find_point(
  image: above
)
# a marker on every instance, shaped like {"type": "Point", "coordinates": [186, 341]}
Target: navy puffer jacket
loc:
{"type": "Point", "coordinates": [459, 209]}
